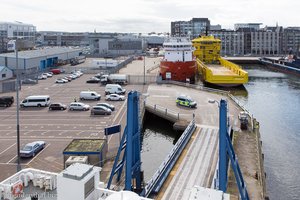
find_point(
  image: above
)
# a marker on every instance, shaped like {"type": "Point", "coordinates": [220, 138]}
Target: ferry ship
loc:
{"type": "Point", "coordinates": [178, 63]}
{"type": "Point", "coordinates": [212, 68]}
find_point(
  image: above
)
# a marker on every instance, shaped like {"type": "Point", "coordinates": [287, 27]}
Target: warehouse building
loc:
{"type": "Point", "coordinates": [40, 60]}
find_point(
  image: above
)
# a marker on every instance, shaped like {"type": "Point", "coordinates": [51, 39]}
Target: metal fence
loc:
{"type": "Point", "coordinates": [95, 70]}
{"type": "Point", "coordinates": [141, 79]}
{"type": "Point", "coordinates": [7, 86]}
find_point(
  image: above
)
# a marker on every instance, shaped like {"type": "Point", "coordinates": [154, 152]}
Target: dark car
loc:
{"type": "Point", "coordinates": [93, 80]}
{"type": "Point", "coordinates": [6, 101]}
{"type": "Point", "coordinates": [31, 149]}
{"type": "Point", "coordinates": [57, 106]}
{"type": "Point", "coordinates": [111, 107]}
{"type": "Point", "coordinates": [100, 110]}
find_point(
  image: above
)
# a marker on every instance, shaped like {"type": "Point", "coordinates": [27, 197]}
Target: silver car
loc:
{"type": "Point", "coordinates": [100, 110]}
{"type": "Point", "coordinates": [115, 97]}
{"type": "Point", "coordinates": [79, 106]}
{"type": "Point", "coordinates": [31, 149]}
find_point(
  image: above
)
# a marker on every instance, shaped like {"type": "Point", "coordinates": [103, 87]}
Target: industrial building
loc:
{"type": "Point", "coordinates": [34, 61]}
{"type": "Point", "coordinates": [24, 32]}
{"type": "Point", "coordinates": [194, 27]}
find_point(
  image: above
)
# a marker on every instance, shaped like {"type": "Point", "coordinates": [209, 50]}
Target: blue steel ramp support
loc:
{"type": "Point", "coordinates": [130, 143]}
{"type": "Point", "coordinates": [222, 146]}
{"type": "Point", "coordinates": [226, 148]}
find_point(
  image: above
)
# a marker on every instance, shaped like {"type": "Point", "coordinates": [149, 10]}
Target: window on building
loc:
{"type": "Point", "coordinates": [3, 75]}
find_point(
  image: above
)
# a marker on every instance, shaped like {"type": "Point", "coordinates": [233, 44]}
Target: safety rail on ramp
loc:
{"type": "Point", "coordinates": [166, 113]}
{"type": "Point", "coordinates": [157, 180]}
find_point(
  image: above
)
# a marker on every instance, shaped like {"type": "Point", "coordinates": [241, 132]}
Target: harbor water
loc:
{"type": "Point", "coordinates": [274, 100]}
{"type": "Point", "coordinates": [158, 140]}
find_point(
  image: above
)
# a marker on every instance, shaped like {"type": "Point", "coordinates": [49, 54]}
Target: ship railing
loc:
{"type": "Point", "coordinates": [166, 113]}
{"type": "Point", "coordinates": [233, 67]}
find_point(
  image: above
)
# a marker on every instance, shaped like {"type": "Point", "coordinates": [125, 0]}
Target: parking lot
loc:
{"type": "Point", "coordinates": [56, 128]}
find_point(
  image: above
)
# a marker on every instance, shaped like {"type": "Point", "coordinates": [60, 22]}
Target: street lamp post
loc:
{"type": "Point", "coordinates": [144, 69]}
{"type": "Point", "coordinates": [222, 143]}
{"type": "Point", "coordinates": [18, 116]}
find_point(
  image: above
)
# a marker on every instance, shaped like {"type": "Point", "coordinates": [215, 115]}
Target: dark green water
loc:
{"type": "Point", "coordinates": [274, 100]}
{"type": "Point", "coordinates": [158, 140]}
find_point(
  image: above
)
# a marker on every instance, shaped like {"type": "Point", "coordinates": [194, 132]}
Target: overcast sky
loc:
{"type": "Point", "coordinates": [145, 15]}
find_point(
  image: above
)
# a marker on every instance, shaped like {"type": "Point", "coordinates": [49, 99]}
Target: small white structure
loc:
{"type": "Point", "coordinates": [5, 73]}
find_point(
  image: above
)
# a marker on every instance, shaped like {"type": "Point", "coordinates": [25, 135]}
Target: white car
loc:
{"type": "Point", "coordinates": [115, 97]}
{"type": "Point", "coordinates": [47, 74]}
{"type": "Point", "coordinates": [79, 106]}
{"type": "Point", "coordinates": [42, 76]}
{"type": "Point", "coordinates": [61, 80]}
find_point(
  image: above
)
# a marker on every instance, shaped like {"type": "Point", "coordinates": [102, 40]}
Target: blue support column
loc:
{"type": "Point", "coordinates": [222, 146]}
{"type": "Point", "coordinates": [130, 143]}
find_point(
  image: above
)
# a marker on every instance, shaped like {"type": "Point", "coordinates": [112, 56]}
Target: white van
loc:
{"type": "Point", "coordinates": [89, 95]}
{"type": "Point", "coordinates": [114, 89]}
{"type": "Point", "coordinates": [37, 101]}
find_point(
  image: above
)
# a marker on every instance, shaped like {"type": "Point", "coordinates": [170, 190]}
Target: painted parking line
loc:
{"type": "Point", "coordinates": [115, 118]}
{"type": "Point", "coordinates": [8, 148]}
{"type": "Point", "coordinates": [38, 154]}
{"type": "Point", "coordinates": [118, 123]}
{"type": "Point", "coordinates": [43, 133]}
{"type": "Point", "coordinates": [12, 159]}
{"type": "Point", "coordinates": [79, 133]}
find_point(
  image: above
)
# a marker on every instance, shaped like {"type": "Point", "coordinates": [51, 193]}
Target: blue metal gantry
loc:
{"type": "Point", "coordinates": [226, 148]}
{"type": "Point", "coordinates": [130, 143]}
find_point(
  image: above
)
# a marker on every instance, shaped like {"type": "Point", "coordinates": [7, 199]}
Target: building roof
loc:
{"type": "Point", "coordinates": [16, 23]}
{"type": "Point", "coordinates": [3, 67]}
{"type": "Point", "coordinates": [49, 51]}
{"type": "Point", "coordinates": [85, 145]}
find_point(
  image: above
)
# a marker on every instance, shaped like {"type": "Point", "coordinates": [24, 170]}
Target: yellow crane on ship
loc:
{"type": "Point", "coordinates": [212, 67]}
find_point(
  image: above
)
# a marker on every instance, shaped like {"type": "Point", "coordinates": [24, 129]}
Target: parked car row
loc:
{"type": "Point", "coordinates": [99, 109]}
{"type": "Point", "coordinates": [70, 77]}
{"type": "Point", "coordinates": [45, 75]}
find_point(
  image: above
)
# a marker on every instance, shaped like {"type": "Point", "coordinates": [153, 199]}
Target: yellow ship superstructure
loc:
{"type": "Point", "coordinates": [212, 67]}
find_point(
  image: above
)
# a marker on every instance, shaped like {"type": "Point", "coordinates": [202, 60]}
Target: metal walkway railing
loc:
{"type": "Point", "coordinates": [155, 183]}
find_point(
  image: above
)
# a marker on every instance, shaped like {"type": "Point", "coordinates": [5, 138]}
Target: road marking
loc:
{"type": "Point", "coordinates": [115, 118]}
{"type": "Point", "coordinates": [12, 159]}
{"type": "Point", "coordinates": [8, 148]}
{"type": "Point", "coordinates": [119, 123]}
{"type": "Point", "coordinates": [11, 164]}
{"type": "Point", "coordinates": [38, 154]}
{"type": "Point", "coordinates": [43, 133]}
{"type": "Point", "coordinates": [79, 132]}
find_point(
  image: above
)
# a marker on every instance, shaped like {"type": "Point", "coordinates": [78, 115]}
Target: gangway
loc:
{"type": "Point", "coordinates": [157, 180]}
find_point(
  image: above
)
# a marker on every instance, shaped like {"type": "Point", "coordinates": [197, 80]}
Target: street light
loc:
{"type": "Point", "coordinates": [144, 68]}
{"type": "Point", "coordinates": [13, 45]}
{"type": "Point", "coordinates": [222, 143]}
